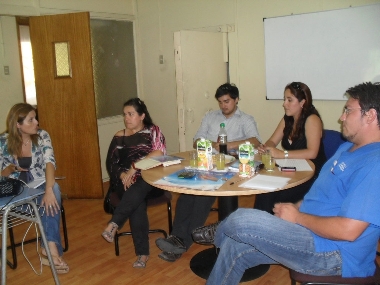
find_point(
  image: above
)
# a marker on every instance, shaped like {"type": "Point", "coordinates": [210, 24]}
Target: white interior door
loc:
{"type": "Point", "coordinates": [201, 67]}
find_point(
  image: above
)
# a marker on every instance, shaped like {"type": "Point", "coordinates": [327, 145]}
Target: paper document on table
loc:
{"type": "Point", "coordinates": [265, 182]}
{"type": "Point", "coordinates": [299, 164]}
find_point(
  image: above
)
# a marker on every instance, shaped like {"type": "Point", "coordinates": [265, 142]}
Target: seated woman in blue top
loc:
{"type": "Point", "coordinates": [300, 133]}
{"type": "Point", "coordinates": [26, 153]}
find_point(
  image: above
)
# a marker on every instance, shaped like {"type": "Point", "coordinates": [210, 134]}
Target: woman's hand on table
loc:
{"type": "Point", "coordinates": [274, 152]}
{"type": "Point", "coordinates": [261, 148]}
{"type": "Point", "coordinates": [49, 201]}
{"type": "Point", "coordinates": [127, 178]}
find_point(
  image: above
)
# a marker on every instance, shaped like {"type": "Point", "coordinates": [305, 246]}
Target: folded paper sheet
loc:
{"type": "Point", "coordinates": [265, 182]}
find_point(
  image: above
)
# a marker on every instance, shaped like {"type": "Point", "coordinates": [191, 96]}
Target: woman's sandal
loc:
{"type": "Point", "coordinates": [60, 268]}
{"type": "Point", "coordinates": [109, 235]}
{"type": "Point", "coordinates": [139, 263]}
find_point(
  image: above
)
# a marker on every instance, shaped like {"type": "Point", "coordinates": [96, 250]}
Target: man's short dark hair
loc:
{"type": "Point", "coordinates": [368, 96]}
{"type": "Point", "coordinates": [227, 89]}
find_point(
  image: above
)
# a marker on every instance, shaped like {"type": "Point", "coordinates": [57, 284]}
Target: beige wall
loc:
{"type": "Point", "coordinates": [156, 20]}
{"type": "Point", "coordinates": [10, 85]}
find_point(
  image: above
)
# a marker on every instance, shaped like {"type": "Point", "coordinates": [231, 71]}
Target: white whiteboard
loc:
{"type": "Point", "coordinates": [329, 51]}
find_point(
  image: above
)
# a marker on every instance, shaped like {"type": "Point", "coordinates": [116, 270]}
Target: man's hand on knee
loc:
{"type": "Point", "coordinates": [286, 211]}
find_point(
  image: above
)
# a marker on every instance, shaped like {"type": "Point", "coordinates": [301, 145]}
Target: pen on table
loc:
{"type": "Point", "coordinates": [232, 183]}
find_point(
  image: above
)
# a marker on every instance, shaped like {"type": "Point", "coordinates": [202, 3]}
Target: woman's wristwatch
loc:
{"type": "Point", "coordinates": [286, 153]}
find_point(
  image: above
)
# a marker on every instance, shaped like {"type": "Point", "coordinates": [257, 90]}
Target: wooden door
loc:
{"type": "Point", "coordinates": [66, 105]}
{"type": "Point", "coordinates": [201, 67]}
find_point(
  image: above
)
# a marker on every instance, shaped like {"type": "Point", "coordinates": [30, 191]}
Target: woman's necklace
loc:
{"type": "Point", "coordinates": [26, 143]}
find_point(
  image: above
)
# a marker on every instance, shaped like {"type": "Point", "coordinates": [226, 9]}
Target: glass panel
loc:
{"type": "Point", "coordinates": [114, 68]}
{"type": "Point", "coordinates": [62, 59]}
{"type": "Point", "coordinates": [27, 65]}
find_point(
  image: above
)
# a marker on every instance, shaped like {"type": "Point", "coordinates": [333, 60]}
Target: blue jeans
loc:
{"type": "Point", "coordinates": [51, 224]}
{"type": "Point", "coordinates": [250, 237]}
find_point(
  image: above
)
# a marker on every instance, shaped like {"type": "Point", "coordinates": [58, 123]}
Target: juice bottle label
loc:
{"type": "Point", "coordinates": [245, 170]}
{"type": "Point", "coordinates": [204, 149]}
{"type": "Point", "coordinates": [245, 156]}
{"type": "Point", "coordinates": [246, 152]}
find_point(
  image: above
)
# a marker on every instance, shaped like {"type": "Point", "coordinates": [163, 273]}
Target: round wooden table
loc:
{"type": "Point", "coordinates": [203, 262]}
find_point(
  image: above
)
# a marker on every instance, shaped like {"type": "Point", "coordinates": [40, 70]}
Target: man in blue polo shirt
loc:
{"type": "Point", "coordinates": [334, 230]}
{"type": "Point", "coordinates": [192, 210]}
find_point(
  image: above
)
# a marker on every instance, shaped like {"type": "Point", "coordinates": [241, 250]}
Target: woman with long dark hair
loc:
{"type": "Point", "coordinates": [300, 133]}
{"type": "Point", "coordinates": [140, 139]}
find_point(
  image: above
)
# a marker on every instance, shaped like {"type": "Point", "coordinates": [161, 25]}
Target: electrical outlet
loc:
{"type": "Point", "coordinates": [161, 59]}
{"type": "Point", "coordinates": [6, 70]}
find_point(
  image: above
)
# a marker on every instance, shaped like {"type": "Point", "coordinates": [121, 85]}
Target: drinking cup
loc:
{"type": "Point", "coordinates": [269, 163]}
{"type": "Point", "coordinates": [265, 157]}
{"type": "Point", "coordinates": [220, 161]}
{"type": "Point", "coordinates": [193, 157]}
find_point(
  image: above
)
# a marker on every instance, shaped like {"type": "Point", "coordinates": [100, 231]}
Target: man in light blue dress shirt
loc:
{"type": "Point", "coordinates": [240, 127]}
{"type": "Point", "coordinates": [193, 210]}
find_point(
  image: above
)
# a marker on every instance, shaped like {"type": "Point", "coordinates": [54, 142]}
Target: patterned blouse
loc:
{"type": "Point", "coordinates": [41, 155]}
{"type": "Point", "coordinates": [124, 150]}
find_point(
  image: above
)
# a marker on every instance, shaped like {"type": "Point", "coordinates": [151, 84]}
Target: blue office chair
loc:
{"type": "Point", "coordinates": [331, 141]}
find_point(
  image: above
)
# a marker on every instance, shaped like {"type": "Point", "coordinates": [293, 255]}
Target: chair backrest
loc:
{"type": "Point", "coordinates": [331, 141]}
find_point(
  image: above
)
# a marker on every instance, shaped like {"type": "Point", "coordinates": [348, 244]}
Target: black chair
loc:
{"type": "Point", "coordinates": [165, 198]}
{"type": "Point", "coordinates": [13, 245]}
{"type": "Point", "coordinates": [306, 279]}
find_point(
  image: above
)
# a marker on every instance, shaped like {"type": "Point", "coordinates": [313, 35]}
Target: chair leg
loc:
{"type": "Point", "coordinates": [64, 227]}
{"type": "Point", "coordinates": [13, 249]}
{"type": "Point", "coordinates": [116, 240]}
{"type": "Point", "coordinates": [170, 219]}
{"type": "Point", "coordinates": [159, 231]}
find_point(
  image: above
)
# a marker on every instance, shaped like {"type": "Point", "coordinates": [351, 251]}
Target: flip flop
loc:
{"type": "Point", "coordinates": [110, 235]}
{"type": "Point", "coordinates": [139, 263]}
{"type": "Point", "coordinates": [61, 269]}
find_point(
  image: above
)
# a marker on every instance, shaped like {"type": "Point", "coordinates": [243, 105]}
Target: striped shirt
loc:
{"type": "Point", "coordinates": [239, 126]}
